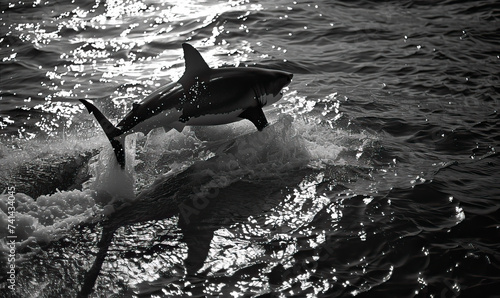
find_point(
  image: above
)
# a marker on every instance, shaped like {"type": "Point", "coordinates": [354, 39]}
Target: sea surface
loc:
{"type": "Point", "coordinates": [379, 175]}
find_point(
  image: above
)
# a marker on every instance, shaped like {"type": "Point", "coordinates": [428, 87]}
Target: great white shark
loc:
{"type": "Point", "coordinates": [202, 96]}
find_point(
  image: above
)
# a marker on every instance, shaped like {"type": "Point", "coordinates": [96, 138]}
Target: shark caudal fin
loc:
{"type": "Point", "coordinates": [111, 132]}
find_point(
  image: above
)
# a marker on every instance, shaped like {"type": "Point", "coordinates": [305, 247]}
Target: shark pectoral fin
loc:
{"type": "Point", "coordinates": [179, 126]}
{"type": "Point", "coordinates": [256, 115]}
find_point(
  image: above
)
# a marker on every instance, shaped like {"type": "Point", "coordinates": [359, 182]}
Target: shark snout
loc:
{"type": "Point", "coordinates": [285, 79]}
{"type": "Point", "coordinates": [288, 79]}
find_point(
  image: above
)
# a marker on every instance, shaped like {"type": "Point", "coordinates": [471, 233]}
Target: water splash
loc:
{"type": "Point", "coordinates": [46, 219]}
{"type": "Point", "coordinates": [112, 183]}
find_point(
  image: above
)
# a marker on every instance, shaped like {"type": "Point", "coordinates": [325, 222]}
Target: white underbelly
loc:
{"type": "Point", "coordinates": [170, 119]}
{"type": "Point", "coordinates": [215, 119]}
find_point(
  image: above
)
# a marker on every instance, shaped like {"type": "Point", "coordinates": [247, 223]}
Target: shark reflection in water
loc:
{"type": "Point", "coordinates": [199, 215]}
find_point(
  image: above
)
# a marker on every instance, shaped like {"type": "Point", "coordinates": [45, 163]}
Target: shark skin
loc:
{"type": "Point", "coordinates": [202, 96]}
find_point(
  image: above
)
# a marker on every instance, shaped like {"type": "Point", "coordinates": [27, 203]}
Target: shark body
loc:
{"type": "Point", "coordinates": [202, 96]}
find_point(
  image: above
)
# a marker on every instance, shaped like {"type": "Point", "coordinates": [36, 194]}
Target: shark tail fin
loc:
{"type": "Point", "coordinates": [111, 132]}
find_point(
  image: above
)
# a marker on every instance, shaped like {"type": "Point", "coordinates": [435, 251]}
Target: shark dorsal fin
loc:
{"type": "Point", "coordinates": [195, 64]}
{"type": "Point", "coordinates": [196, 67]}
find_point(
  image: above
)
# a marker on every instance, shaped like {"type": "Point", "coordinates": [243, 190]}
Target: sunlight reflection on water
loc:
{"type": "Point", "coordinates": [90, 65]}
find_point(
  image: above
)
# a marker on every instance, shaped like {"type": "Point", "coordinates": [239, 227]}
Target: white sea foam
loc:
{"type": "Point", "coordinates": [47, 218]}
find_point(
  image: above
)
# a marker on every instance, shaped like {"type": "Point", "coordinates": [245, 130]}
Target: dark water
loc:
{"type": "Point", "coordinates": [377, 177]}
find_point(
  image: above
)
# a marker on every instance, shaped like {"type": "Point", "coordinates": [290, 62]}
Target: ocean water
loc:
{"type": "Point", "coordinates": [378, 176]}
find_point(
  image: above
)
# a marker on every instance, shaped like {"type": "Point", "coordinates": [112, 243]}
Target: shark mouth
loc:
{"type": "Point", "coordinates": [264, 96]}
